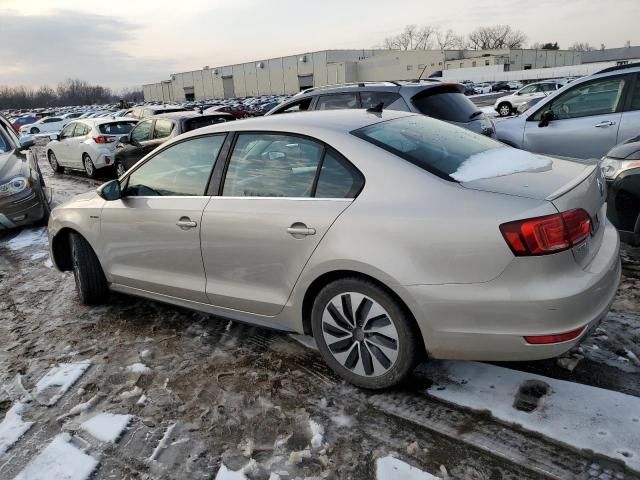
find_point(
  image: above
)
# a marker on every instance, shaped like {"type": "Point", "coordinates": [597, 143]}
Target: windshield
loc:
{"type": "Point", "coordinates": [116, 128]}
{"type": "Point", "coordinates": [438, 147]}
{"type": "Point", "coordinates": [445, 104]}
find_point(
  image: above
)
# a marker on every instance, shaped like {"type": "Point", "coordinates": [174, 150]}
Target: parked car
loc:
{"type": "Point", "coordinates": [500, 87]}
{"type": "Point", "coordinates": [22, 121]}
{"type": "Point", "coordinates": [44, 125]}
{"type": "Point", "coordinates": [480, 88]}
{"type": "Point", "coordinates": [585, 119]}
{"type": "Point", "coordinates": [238, 111]}
{"type": "Point", "coordinates": [509, 104]}
{"type": "Point", "coordinates": [444, 101]}
{"type": "Point", "coordinates": [150, 110]}
{"type": "Point", "coordinates": [487, 252]}
{"type": "Point", "coordinates": [515, 85]}
{"type": "Point", "coordinates": [23, 196]}
{"type": "Point", "coordinates": [88, 144]}
{"type": "Point", "coordinates": [621, 169]}
{"type": "Point", "coordinates": [154, 131]}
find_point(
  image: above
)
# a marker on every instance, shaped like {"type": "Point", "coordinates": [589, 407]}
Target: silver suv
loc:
{"type": "Point", "coordinates": [444, 101]}
{"type": "Point", "coordinates": [584, 119]}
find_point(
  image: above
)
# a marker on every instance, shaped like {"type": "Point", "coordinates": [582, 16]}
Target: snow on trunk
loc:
{"type": "Point", "coordinates": [498, 162]}
{"type": "Point", "coordinates": [12, 427]}
{"type": "Point", "coordinates": [577, 415]}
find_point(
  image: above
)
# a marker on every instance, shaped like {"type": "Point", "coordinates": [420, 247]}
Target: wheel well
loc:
{"type": "Point", "coordinates": [61, 249]}
{"type": "Point", "coordinates": [323, 280]}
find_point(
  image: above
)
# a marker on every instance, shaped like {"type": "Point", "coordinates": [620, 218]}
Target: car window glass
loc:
{"type": "Point", "coordinates": [337, 101]}
{"type": "Point", "coordinates": [180, 170]}
{"type": "Point", "coordinates": [204, 121]}
{"type": "Point", "coordinates": [141, 132]}
{"type": "Point", "coordinates": [445, 104]}
{"type": "Point", "coordinates": [598, 97]}
{"type": "Point", "coordinates": [67, 131]}
{"type": "Point", "coordinates": [81, 130]}
{"type": "Point", "coordinates": [371, 99]}
{"type": "Point", "coordinates": [116, 128]}
{"type": "Point", "coordinates": [547, 87]}
{"type": "Point", "coordinates": [338, 178]}
{"type": "Point", "coordinates": [299, 106]}
{"type": "Point", "coordinates": [272, 165]}
{"type": "Point", "coordinates": [4, 143]}
{"type": "Point", "coordinates": [163, 128]}
{"type": "Point", "coordinates": [635, 98]}
{"type": "Point", "coordinates": [528, 89]}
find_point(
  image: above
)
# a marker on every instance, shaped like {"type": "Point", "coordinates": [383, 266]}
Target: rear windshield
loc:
{"type": "Point", "coordinates": [116, 128]}
{"type": "Point", "coordinates": [204, 121]}
{"type": "Point", "coordinates": [445, 103]}
{"type": "Point", "coordinates": [438, 147]}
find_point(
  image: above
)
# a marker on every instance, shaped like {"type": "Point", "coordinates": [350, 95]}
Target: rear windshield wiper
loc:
{"type": "Point", "coordinates": [475, 114]}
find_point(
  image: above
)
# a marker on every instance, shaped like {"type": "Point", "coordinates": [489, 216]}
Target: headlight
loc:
{"type": "Point", "coordinates": [612, 167]}
{"type": "Point", "coordinates": [13, 186]}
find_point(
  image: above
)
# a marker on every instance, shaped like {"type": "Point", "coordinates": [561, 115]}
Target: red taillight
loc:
{"type": "Point", "coordinates": [555, 338]}
{"type": "Point", "coordinates": [546, 235]}
{"type": "Point", "coordinates": [103, 139]}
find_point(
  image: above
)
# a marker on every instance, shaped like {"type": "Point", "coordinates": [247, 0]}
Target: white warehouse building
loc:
{"type": "Point", "coordinates": [288, 75]}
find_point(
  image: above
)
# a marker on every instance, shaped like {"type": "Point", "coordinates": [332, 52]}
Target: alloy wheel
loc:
{"type": "Point", "coordinates": [360, 334]}
{"type": "Point", "coordinates": [88, 166]}
{"type": "Point", "coordinates": [505, 110]}
{"type": "Point", "coordinates": [53, 161]}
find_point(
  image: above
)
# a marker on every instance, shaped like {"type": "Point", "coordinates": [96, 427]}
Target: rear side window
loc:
{"type": "Point", "coordinates": [337, 101]}
{"type": "Point", "coordinates": [162, 129]}
{"type": "Point", "coordinates": [116, 128]}
{"type": "Point", "coordinates": [338, 178]}
{"type": "Point", "coordinates": [204, 121]}
{"type": "Point", "coordinates": [298, 106]}
{"type": "Point", "coordinates": [388, 99]}
{"type": "Point", "coordinates": [445, 104]}
{"type": "Point", "coordinates": [434, 146]}
{"type": "Point", "coordinates": [635, 95]}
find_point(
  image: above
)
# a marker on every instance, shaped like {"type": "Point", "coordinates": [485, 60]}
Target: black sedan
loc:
{"type": "Point", "coordinates": [23, 198]}
{"type": "Point", "coordinates": [621, 168]}
{"type": "Point", "coordinates": [154, 131]}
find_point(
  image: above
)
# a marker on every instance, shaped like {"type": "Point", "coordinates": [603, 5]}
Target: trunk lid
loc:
{"type": "Point", "coordinates": [568, 185]}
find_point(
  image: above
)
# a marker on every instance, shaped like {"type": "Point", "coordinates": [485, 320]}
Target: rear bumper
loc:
{"type": "Point", "coordinates": [488, 321]}
{"type": "Point", "coordinates": [24, 210]}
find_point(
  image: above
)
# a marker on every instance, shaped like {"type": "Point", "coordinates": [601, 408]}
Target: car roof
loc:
{"type": "Point", "coordinates": [189, 114]}
{"type": "Point", "coordinates": [101, 120]}
{"type": "Point", "coordinates": [391, 86]}
{"type": "Point", "coordinates": [336, 121]}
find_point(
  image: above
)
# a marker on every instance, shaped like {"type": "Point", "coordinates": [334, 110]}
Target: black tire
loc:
{"type": "Point", "coordinates": [408, 346]}
{"type": "Point", "coordinates": [53, 161]}
{"type": "Point", "coordinates": [505, 109]}
{"type": "Point", "coordinates": [34, 130]}
{"type": "Point", "coordinates": [91, 283]}
{"type": "Point", "coordinates": [89, 167]}
{"type": "Point", "coordinates": [46, 208]}
{"type": "Point", "coordinates": [119, 169]}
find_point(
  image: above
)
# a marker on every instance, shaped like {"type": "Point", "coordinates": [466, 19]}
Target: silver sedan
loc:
{"type": "Point", "coordinates": [387, 236]}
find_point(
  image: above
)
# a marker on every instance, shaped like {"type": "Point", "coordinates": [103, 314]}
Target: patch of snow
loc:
{"type": "Point", "coordinates": [106, 427]}
{"type": "Point", "coordinates": [342, 420]}
{"type": "Point", "coordinates": [317, 432]}
{"type": "Point", "coordinates": [39, 255]}
{"type": "Point", "coordinates": [59, 460]}
{"type": "Point", "coordinates": [298, 456]}
{"type": "Point", "coordinates": [48, 263]}
{"type": "Point", "coordinates": [145, 354]}
{"type": "Point", "coordinates": [28, 238]}
{"type": "Point", "coordinates": [581, 416]}
{"type": "Point", "coordinates": [61, 378]}
{"type": "Point", "coordinates": [498, 162]}
{"type": "Point", "coordinates": [136, 392]}
{"type": "Point", "coordinates": [389, 468]}
{"type": "Point", "coordinates": [142, 400]}
{"type": "Point", "coordinates": [225, 474]}
{"type": "Point", "coordinates": [12, 427]}
{"type": "Point", "coordinates": [81, 407]}
{"type": "Point", "coordinates": [163, 443]}
{"type": "Point", "coordinates": [138, 368]}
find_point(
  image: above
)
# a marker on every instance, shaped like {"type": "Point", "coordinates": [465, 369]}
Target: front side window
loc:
{"type": "Point", "coordinates": [182, 169]}
{"type": "Point", "coordinates": [528, 89]}
{"type": "Point", "coordinates": [67, 131]}
{"type": "Point", "coordinates": [81, 130]}
{"type": "Point", "coordinates": [162, 129]}
{"type": "Point", "coordinates": [142, 132]}
{"type": "Point", "coordinates": [598, 97]}
{"type": "Point", "coordinates": [337, 101]}
{"type": "Point", "coordinates": [272, 165]}
{"type": "Point", "coordinates": [548, 87]}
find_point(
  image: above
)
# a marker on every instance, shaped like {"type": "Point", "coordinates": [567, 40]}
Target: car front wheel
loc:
{"type": "Point", "coordinates": [504, 109]}
{"type": "Point", "coordinates": [35, 130]}
{"type": "Point", "coordinates": [364, 334]}
{"type": "Point", "coordinates": [89, 167]}
{"type": "Point", "coordinates": [91, 283]}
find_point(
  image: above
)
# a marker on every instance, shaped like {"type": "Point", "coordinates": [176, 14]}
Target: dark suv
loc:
{"type": "Point", "coordinates": [444, 101]}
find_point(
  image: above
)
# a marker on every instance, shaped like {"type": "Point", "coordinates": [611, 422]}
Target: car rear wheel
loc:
{"type": "Point", "coordinates": [34, 130]}
{"type": "Point", "coordinates": [504, 109]}
{"type": "Point", "coordinates": [91, 283]}
{"type": "Point", "coordinates": [89, 167]}
{"type": "Point", "coordinates": [364, 334]}
{"type": "Point", "coordinates": [53, 161]}
{"type": "Point", "coordinates": [120, 170]}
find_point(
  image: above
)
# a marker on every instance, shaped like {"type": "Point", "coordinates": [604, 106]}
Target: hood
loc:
{"type": "Point", "coordinates": [523, 174]}
{"type": "Point", "coordinates": [84, 197]}
{"type": "Point", "coordinates": [12, 163]}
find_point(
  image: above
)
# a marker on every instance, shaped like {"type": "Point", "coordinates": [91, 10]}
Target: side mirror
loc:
{"type": "Point", "coordinates": [110, 190]}
{"type": "Point", "coordinates": [546, 117]}
{"type": "Point", "coordinates": [54, 136]}
{"type": "Point", "coordinates": [27, 141]}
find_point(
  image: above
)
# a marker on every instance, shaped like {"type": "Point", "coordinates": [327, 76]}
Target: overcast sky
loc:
{"type": "Point", "coordinates": [121, 43]}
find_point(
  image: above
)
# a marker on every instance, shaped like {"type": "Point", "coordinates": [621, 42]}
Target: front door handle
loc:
{"type": "Point", "coordinates": [185, 223]}
{"type": "Point", "coordinates": [299, 230]}
{"type": "Point", "coordinates": [605, 124]}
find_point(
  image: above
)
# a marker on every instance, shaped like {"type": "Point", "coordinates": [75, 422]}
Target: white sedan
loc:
{"type": "Point", "coordinates": [88, 144]}
{"type": "Point", "coordinates": [482, 88]}
{"type": "Point", "coordinates": [44, 125]}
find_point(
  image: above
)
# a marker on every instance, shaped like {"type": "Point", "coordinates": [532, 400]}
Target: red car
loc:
{"type": "Point", "coordinates": [236, 111]}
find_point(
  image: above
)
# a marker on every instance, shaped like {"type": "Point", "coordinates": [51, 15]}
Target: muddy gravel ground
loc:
{"type": "Point", "coordinates": [203, 391]}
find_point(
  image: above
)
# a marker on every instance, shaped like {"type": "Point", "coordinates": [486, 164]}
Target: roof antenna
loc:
{"type": "Point", "coordinates": [376, 109]}
{"type": "Point", "coordinates": [421, 73]}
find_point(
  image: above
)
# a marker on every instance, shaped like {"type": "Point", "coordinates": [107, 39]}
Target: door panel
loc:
{"type": "Point", "coordinates": [251, 260]}
{"type": "Point", "coordinates": [629, 126]}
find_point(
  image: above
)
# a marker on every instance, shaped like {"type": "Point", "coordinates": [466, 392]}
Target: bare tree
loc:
{"type": "Point", "coordinates": [411, 38]}
{"type": "Point", "coordinates": [497, 36]}
{"type": "Point", "coordinates": [582, 47]}
{"type": "Point", "coordinates": [449, 40]}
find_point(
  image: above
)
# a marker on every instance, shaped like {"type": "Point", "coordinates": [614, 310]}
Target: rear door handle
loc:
{"type": "Point", "coordinates": [605, 124]}
{"type": "Point", "coordinates": [299, 230]}
{"type": "Point", "coordinates": [185, 223]}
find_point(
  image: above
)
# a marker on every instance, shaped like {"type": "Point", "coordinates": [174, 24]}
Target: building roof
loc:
{"type": "Point", "coordinates": [611, 54]}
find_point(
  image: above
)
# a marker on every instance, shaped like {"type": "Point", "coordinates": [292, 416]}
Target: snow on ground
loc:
{"type": "Point", "coordinates": [317, 432]}
{"type": "Point", "coordinates": [577, 415]}
{"type": "Point", "coordinates": [58, 381]}
{"type": "Point", "coordinates": [28, 237]}
{"type": "Point", "coordinates": [138, 368]}
{"type": "Point", "coordinates": [106, 427]}
{"type": "Point", "coordinates": [497, 162]}
{"type": "Point", "coordinates": [12, 427]}
{"type": "Point", "coordinates": [488, 110]}
{"type": "Point", "coordinates": [390, 468]}
{"type": "Point", "coordinates": [60, 460]}
{"type": "Point", "coordinates": [225, 474]}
